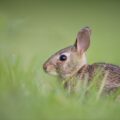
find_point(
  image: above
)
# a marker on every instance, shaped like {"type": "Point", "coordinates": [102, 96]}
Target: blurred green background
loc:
{"type": "Point", "coordinates": [30, 27]}
{"type": "Point", "coordinates": [35, 29]}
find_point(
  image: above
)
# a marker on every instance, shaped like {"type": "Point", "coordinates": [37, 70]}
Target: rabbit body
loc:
{"type": "Point", "coordinates": [112, 81]}
{"type": "Point", "coordinates": [71, 62]}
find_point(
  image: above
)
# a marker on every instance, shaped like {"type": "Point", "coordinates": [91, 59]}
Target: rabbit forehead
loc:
{"type": "Point", "coordinates": [65, 50]}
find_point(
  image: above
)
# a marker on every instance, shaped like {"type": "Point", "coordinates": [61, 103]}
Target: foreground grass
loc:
{"type": "Point", "coordinates": [24, 95]}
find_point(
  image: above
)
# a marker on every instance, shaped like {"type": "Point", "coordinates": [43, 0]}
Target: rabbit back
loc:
{"type": "Point", "coordinates": [113, 74]}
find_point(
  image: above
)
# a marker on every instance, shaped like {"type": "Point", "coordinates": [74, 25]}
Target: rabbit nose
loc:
{"type": "Point", "coordinates": [45, 66]}
{"type": "Point", "coordinates": [48, 67]}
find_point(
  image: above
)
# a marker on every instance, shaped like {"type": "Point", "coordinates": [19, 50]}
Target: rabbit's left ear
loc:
{"type": "Point", "coordinates": [83, 40]}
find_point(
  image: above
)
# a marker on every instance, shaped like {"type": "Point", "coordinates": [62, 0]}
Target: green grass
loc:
{"type": "Point", "coordinates": [30, 31]}
{"type": "Point", "coordinates": [25, 96]}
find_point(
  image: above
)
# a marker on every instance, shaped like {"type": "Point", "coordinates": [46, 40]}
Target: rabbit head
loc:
{"type": "Point", "coordinates": [66, 62]}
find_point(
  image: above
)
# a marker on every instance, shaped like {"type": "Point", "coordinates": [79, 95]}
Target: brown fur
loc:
{"type": "Point", "coordinates": [75, 66]}
{"type": "Point", "coordinates": [113, 77]}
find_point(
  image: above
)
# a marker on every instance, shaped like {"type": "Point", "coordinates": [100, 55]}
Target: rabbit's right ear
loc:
{"type": "Point", "coordinates": [83, 40]}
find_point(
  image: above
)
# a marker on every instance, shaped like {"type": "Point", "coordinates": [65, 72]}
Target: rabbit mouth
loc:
{"type": "Point", "coordinates": [50, 69]}
{"type": "Point", "coordinates": [52, 73]}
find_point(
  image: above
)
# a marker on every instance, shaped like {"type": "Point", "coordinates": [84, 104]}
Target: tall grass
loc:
{"type": "Point", "coordinates": [24, 95]}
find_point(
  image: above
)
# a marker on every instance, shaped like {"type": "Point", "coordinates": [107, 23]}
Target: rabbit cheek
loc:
{"type": "Point", "coordinates": [60, 67]}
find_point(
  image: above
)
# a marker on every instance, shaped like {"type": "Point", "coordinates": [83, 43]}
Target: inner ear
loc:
{"type": "Point", "coordinates": [83, 40]}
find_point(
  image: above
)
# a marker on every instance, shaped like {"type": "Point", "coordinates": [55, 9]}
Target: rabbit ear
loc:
{"type": "Point", "coordinates": [83, 39]}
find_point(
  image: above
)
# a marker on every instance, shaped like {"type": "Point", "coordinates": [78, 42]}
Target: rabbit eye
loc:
{"type": "Point", "coordinates": [63, 57]}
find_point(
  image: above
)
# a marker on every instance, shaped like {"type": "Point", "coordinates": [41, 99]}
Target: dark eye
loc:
{"type": "Point", "coordinates": [63, 57]}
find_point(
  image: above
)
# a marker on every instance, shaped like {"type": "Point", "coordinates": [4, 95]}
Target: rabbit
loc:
{"type": "Point", "coordinates": [71, 62]}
